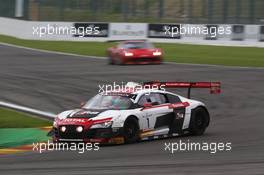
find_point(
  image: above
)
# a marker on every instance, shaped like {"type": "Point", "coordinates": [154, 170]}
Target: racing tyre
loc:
{"type": "Point", "coordinates": [110, 60]}
{"type": "Point", "coordinates": [199, 121]}
{"type": "Point", "coordinates": [131, 130]}
{"type": "Point", "coordinates": [119, 61]}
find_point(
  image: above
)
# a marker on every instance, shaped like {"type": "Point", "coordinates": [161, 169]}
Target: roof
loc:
{"type": "Point", "coordinates": [132, 88]}
{"type": "Point", "coordinates": [134, 91]}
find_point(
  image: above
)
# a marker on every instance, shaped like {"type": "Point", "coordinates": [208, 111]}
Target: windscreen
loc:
{"type": "Point", "coordinates": [109, 102]}
{"type": "Point", "coordinates": [137, 45]}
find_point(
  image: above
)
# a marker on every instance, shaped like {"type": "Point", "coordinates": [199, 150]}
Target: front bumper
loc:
{"type": "Point", "coordinates": [99, 135]}
{"type": "Point", "coordinates": [142, 60]}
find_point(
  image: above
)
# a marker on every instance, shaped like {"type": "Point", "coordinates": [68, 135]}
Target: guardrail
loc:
{"type": "Point", "coordinates": [47, 115]}
{"type": "Point", "coordinates": [238, 35]}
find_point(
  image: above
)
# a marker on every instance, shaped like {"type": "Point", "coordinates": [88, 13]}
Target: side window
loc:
{"type": "Point", "coordinates": [159, 98]}
{"type": "Point", "coordinates": [120, 46]}
{"type": "Point", "coordinates": [163, 99]}
{"type": "Point", "coordinates": [144, 99]}
{"type": "Point", "coordinates": [173, 98]}
{"type": "Point", "coordinates": [154, 98]}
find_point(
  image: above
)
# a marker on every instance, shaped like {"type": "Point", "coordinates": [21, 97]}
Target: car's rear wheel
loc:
{"type": "Point", "coordinates": [161, 61]}
{"type": "Point", "coordinates": [119, 61]}
{"type": "Point", "coordinates": [131, 130]}
{"type": "Point", "coordinates": [110, 60]}
{"type": "Point", "coordinates": [199, 121]}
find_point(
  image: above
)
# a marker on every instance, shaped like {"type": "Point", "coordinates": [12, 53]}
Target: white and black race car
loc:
{"type": "Point", "coordinates": [131, 115]}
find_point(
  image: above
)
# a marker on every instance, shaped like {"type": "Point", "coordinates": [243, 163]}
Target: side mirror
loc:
{"type": "Point", "coordinates": [82, 104]}
{"type": "Point", "coordinates": [147, 105]}
{"type": "Point", "coordinates": [155, 103]}
{"type": "Point", "coordinates": [113, 47]}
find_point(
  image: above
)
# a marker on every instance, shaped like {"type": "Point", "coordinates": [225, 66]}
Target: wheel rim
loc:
{"type": "Point", "coordinates": [130, 131]}
{"type": "Point", "coordinates": [199, 122]}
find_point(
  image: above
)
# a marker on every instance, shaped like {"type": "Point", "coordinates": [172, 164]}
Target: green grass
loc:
{"type": "Point", "coordinates": [13, 119]}
{"type": "Point", "coordinates": [217, 55]}
{"type": "Point", "coordinates": [12, 137]}
{"type": "Point", "coordinates": [180, 53]}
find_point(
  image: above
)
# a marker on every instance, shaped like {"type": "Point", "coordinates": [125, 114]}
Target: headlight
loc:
{"type": "Point", "coordinates": [102, 125]}
{"type": "Point", "coordinates": [63, 128]}
{"type": "Point", "coordinates": [127, 54]}
{"type": "Point", "coordinates": [156, 53]}
{"type": "Point", "coordinates": [55, 124]}
{"type": "Point", "coordinates": [79, 129]}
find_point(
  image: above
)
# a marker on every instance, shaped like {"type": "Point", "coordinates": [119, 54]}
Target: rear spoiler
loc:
{"type": "Point", "coordinates": [215, 87]}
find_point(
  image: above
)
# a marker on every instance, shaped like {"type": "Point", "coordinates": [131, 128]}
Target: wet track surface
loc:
{"type": "Point", "coordinates": [53, 82]}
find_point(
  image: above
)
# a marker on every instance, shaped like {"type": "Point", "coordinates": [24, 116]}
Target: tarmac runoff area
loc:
{"type": "Point", "coordinates": [56, 82]}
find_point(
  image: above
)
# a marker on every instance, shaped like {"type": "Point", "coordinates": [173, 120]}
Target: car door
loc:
{"type": "Point", "coordinates": [158, 114]}
{"type": "Point", "coordinates": [178, 114]}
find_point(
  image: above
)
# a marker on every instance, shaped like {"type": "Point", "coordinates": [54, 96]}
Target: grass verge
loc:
{"type": "Point", "coordinates": [13, 119]}
{"type": "Point", "coordinates": [18, 129]}
{"type": "Point", "coordinates": [14, 137]}
{"type": "Point", "coordinates": [180, 53]}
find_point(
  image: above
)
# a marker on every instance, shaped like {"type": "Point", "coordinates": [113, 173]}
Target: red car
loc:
{"type": "Point", "coordinates": [134, 52]}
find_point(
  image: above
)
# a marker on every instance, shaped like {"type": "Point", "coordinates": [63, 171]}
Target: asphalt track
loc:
{"type": "Point", "coordinates": [53, 82]}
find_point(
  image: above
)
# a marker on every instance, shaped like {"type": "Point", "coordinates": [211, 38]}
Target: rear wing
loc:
{"type": "Point", "coordinates": [215, 87]}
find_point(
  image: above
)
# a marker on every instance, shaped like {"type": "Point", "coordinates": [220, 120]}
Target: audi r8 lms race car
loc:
{"type": "Point", "coordinates": [134, 52]}
{"type": "Point", "coordinates": [131, 114]}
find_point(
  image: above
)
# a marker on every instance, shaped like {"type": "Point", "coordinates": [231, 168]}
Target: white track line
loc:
{"type": "Point", "coordinates": [26, 109]}
{"type": "Point", "coordinates": [97, 57]}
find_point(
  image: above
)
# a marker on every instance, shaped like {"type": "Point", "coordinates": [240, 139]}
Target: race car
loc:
{"type": "Point", "coordinates": [134, 52]}
{"type": "Point", "coordinates": [133, 114]}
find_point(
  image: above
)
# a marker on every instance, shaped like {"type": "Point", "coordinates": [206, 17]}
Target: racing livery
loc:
{"type": "Point", "coordinates": [127, 116]}
{"type": "Point", "coordinates": [135, 52]}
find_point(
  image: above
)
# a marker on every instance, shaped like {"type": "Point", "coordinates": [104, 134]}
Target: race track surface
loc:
{"type": "Point", "coordinates": [53, 82]}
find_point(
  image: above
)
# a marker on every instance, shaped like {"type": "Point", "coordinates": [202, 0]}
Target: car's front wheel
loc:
{"type": "Point", "coordinates": [131, 130]}
{"type": "Point", "coordinates": [199, 121]}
